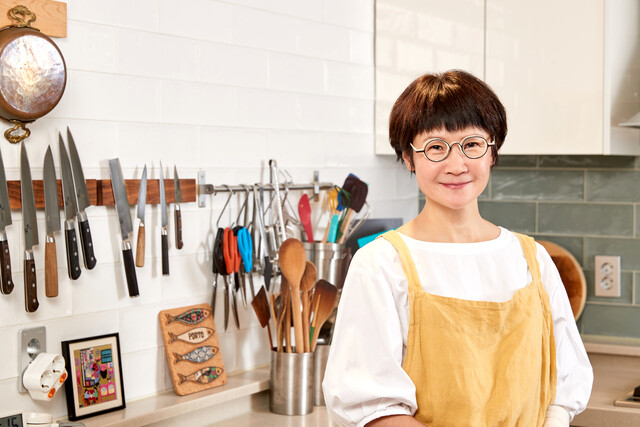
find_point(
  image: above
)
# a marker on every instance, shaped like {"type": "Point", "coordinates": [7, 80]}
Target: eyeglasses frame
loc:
{"type": "Point", "coordinates": [450, 147]}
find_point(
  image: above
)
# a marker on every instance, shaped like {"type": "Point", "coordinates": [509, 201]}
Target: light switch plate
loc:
{"type": "Point", "coordinates": [607, 276]}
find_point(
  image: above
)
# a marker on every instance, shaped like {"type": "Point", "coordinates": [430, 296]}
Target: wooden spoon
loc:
{"type": "Point", "coordinates": [293, 260]}
{"type": "Point", "coordinates": [326, 299]}
{"type": "Point", "coordinates": [306, 285]}
{"type": "Point", "coordinates": [260, 305]}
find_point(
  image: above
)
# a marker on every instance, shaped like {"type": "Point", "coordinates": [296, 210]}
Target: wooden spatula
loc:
{"type": "Point", "coordinates": [326, 294]}
{"type": "Point", "coordinates": [260, 305]}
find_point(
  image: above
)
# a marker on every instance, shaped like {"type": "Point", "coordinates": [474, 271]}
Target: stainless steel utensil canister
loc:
{"type": "Point", "coordinates": [291, 377]}
{"type": "Point", "coordinates": [329, 259]}
{"type": "Point", "coordinates": [320, 362]}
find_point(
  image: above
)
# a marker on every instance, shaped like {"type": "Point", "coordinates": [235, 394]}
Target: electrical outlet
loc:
{"type": "Point", "coordinates": [607, 276]}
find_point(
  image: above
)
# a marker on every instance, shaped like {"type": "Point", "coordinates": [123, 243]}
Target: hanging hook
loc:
{"type": "Point", "coordinates": [225, 204]}
{"type": "Point", "coordinates": [244, 205]}
{"type": "Point", "coordinates": [247, 189]}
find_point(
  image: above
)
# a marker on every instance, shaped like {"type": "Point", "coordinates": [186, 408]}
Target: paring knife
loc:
{"type": "Point", "coordinates": [142, 203]}
{"type": "Point", "coordinates": [70, 209]}
{"type": "Point", "coordinates": [163, 223]}
{"type": "Point", "coordinates": [52, 223]}
{"type": "Point", "coordinates": [30, 233]}
{"type": "Point", "coordinates": [6, 284]}
{"type": "Point", "coordinates": [124, 217]}
{"type": "Point", "coordinates": [82, 200]}
{"type": "Point", "coordinates": [177, 214]}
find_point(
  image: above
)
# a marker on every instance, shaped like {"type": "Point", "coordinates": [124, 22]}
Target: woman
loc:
{"type": "Point", "coordinates": [452, 320]}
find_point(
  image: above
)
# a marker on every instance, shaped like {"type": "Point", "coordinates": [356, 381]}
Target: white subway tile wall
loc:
{"type": "Point", "coordinates": [217, 86]}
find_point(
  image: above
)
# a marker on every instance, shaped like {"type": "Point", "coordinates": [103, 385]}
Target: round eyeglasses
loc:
{"type": "Point", "coordinates": [437, 149]}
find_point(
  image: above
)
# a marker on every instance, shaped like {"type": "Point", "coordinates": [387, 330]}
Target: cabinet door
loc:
{"type": "Point", "coordinates": [545, 61]}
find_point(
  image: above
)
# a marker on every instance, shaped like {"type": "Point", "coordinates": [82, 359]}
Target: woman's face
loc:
{"type": "Point", "coordinates": [457, 181]}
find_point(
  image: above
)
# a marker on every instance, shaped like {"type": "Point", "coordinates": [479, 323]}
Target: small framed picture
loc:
{"type": "Point", "coordinates": [95, 376]}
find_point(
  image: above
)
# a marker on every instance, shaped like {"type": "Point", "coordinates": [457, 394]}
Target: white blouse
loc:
{"type": "Point", "coordinates": [364, 379]}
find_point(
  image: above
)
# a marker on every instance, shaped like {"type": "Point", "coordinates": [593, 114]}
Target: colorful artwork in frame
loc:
{"type": "Point", "coordinates": [95, 376]}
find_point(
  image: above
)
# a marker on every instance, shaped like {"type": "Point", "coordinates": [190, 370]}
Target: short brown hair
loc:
{"type": "Point", "coordinates": [453, 100]}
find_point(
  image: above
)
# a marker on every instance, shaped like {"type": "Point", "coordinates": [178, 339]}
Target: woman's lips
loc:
{"type": "Point", "coordinates": [455, 185]}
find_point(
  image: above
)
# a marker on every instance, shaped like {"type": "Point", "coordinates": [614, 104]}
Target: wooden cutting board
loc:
{"type": "Point", "coordinates": [571, 274]}
{"type": "Point", "coordinates": [192, 348]}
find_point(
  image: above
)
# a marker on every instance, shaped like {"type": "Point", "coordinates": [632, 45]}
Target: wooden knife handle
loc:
{"type": "Point", "coordinates": [50, 268]}
{"type": "Point", "coordinates": [165, 253]}
{"type": "Point", "coordinates": [87, 245]}
{"type": "Point", "coordinates": [30, 288]}
{"type": "Point", "coordinates": [73, 262]}
{"type": "Point", "coordinates": [178, 219]}
{"type": "Point", "coordinates": [140, 246]}
{"type": "Point", "coordinates": [130, 270]}
{"type": "Point", "coordinates": [6, 285]}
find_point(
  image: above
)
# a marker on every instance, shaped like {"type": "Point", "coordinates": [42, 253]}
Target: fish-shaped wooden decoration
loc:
{"type": "Point", "coordinates": [190, 317]}
{"type": "Point", "coordinates": [202, 376]}
{"type": "Point", "coordinates": [199, 355]}
{"type": "Point", "coordinates": [192, 336]}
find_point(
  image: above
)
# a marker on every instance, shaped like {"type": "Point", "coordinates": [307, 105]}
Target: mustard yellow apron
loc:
{"type": "Point", "coordinates": [480, 363]}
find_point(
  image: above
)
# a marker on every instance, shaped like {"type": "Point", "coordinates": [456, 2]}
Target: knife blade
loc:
{"type": "Point", "coordinates": [70, 210]}
{"type": "Point", "coordinates": [82, 200]}
{"type": "Point", "coordinates": [30, 233]}
{"type": "Point", "coordinates": [142, 203]}
{"type": "Point", "coordinates": [177, 213]}
{"type": "Point", "coordinates": [163, 223]}
{"type": "Point", "coordinates": [126, 227]}
{"type": "Point", "coordinates": [6, 283]}
{"type": "Point", "coordinates": [52, 224]}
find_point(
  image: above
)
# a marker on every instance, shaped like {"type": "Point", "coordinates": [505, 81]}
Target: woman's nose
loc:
{"type": "Point", "coordinates": [457, 159]}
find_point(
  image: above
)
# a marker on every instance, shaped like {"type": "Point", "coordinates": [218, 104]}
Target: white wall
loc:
{"type": "Point", "coordinates": [206, 85]}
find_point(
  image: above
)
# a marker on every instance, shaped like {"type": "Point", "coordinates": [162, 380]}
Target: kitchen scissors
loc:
{"type": "Point", "coordinates": [232, 265]}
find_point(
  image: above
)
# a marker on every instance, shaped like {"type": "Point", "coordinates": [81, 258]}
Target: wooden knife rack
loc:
{"type": "Point", "coordinates": [101, 194]}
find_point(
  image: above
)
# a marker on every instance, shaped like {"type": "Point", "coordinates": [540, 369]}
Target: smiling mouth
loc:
{"type": "Point", "coordinates": [455, 185]}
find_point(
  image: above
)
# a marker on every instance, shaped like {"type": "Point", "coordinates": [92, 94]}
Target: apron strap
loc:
{"type": "Point", "coordinates": [408, 265]}
{"type": "Point", "coordinates": [529, 247]}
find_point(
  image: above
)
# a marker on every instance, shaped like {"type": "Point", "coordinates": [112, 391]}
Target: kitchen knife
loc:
{"type": "Point", "coordinates": [163, 222]}
{"type": "Point", "coordinates": [177, 213]}
{"type": "Point", "coordinates": [82, 200]}
{"type": "Point", "coordinates": [52, 224]}
{"type": "Point", "coordinates": [30, 232]}
{"type": "Point", "coordinates": [126, 227]}
{"type": "Point", "coordinates": [142, 203]}
{"type": "Point", "coordinates": [70, 210]}
{"type": "Point", "coordinates": [6, 284]}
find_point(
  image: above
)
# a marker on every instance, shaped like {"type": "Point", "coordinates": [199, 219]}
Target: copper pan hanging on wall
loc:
{"type": "Point", "coordinates": [33, 74]}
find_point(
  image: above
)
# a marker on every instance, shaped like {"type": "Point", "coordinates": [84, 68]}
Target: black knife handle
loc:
{"type": "Point", "coordinates": [73, 262]}
{"type": "Point", "coordinates": [30, 289]}
{"type": "Point", "coordinates": [130, 269]}
{"type": "Point", "coordinates": [6, 285]}
{"type": "Point", "coordinates": [165, 252]}
{"type": "Point", "coordinates": [178, 225]}
{"type": "Point", "coordinates": [87, 245]}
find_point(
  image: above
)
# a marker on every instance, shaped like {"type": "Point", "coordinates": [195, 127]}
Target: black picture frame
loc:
{"type": "Point", "coordinates": [95, 384]}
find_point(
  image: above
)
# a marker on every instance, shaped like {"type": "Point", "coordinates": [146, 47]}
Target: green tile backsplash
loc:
{"type": "Point", "coordinates": [589, 205]}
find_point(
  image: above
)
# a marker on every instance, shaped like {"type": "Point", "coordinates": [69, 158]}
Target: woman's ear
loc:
{"type": "Point", "coordinates": [408, 161]}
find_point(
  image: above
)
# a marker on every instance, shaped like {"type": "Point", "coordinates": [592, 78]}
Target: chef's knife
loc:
{"type": "Point", "coordinates": [163, 223]}
{"type": "Point", "coordinates": [52, 223]}
{"type": "Point", "coordinates": [177, 213]}
{"type": "Point", "coordinates": [6, 284]}
{"type": "Point", "coordinates": [70, 210]}
{"type": "Point", "coordinates": [126, 227]}
{"type": "Point", "coordinates": [30, 233]}
{"type": "Point", "coordinates": [142, 203]}
{"type": "Point", "coordinates": [82, 200]}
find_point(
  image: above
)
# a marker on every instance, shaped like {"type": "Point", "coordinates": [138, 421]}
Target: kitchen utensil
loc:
{"type": "Point", "coordinates": [124, 217]}
{"type": "Point", "coordinates": [219, 268]}
{"type": "Point", "coordinates": [293, 260]}
{"type": "Point", "coordinates": [330, 203]}
{"type": "Point", "coordinates": [34, 73]}
{"type": "Point", "coordinates": [238, 275]}
{"type": "Point", "coordinates": [232, 263]}
{"type": "Point", "coordinates": [304, 210]}
{"type": "Point", "coordinates": [6, 283]}
{"type": "Point", "coordinates": [571, 274]}
{"type": "Point", "coordinates": [142, 203]}
{"type": "Point", "coordinates": [276, 186]}
{"type": "Point", "coordinates": [30, 232]}
{"type": "Point", "coordinates": [164, 232]}
{"type": "Point", "coordinates": [82, 202]}
{"type": "Point", "coordinates": [281, 309]}
{"type": "Point", "coordinates": [260, 305]}
{"type": "Point", "coordinates": [52, 224]}
{"type": "Point", "coordinates": [264, 253]}
{"type": "Point", "coordinates": [245, 249]}
{"type": "Point", "coordinates": [177, 194]}
{"type": "Point", "coordinates": [326, 299]}
{"type": "Point", "coordinates": [306, 286]}
{"type": "Point", "coordinates": [358, 191]}
{"type": "Point", "coordinates": [70, 209]}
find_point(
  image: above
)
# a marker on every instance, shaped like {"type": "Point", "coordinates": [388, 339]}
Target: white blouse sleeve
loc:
{"type": "Point", "coordinates": [574, 372]}
{"type": "Point", "coordinates": [364, 379]}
